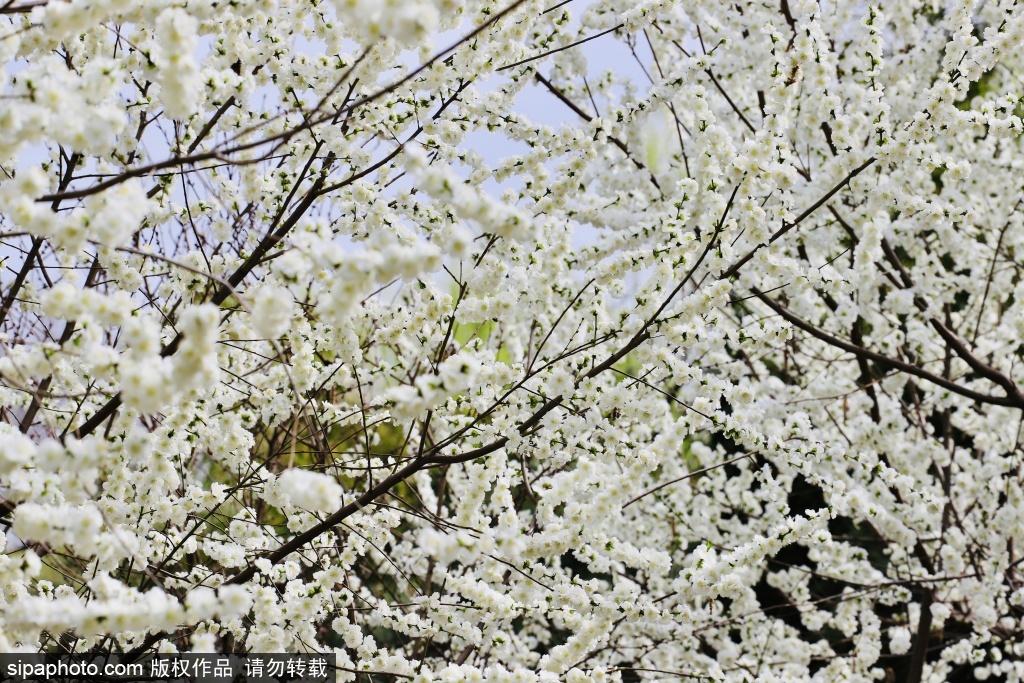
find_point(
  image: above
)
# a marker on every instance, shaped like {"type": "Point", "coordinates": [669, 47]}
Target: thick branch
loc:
{"type": "Point", "coordinates": [1009, 401]}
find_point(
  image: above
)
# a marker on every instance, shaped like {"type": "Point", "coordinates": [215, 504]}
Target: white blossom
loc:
{"type": "Point", "coordinates": [310, 490]}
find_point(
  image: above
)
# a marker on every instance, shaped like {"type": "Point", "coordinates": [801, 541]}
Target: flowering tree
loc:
{"type": "Point", "coordinates": [717, 377]}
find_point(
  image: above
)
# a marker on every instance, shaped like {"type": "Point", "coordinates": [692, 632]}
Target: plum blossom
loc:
{"type": "Point", "coordinates": [480, 340]}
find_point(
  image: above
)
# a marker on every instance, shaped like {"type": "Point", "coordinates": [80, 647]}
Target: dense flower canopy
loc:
{"type": "Point", "coordinates": [712, 371]}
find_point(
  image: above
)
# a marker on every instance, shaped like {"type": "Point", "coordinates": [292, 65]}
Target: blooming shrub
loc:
{"type": "Point", "coordinates": [717, 375]}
